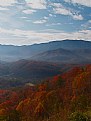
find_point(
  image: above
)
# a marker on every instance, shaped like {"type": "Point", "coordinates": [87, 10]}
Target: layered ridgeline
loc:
{"type": "Point", "coordinates": [67, 51]}
{"type": "Point", "coordinates": [33, 63]}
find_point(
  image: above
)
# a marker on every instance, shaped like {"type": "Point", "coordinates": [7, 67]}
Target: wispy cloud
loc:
{"type": "Point", "coordinates": [38, 4]}
{"type": "Point", "coordinates": [7, 2]}
{"type": "Point", "coordinates": [40, 21]}
{"type": "Point", "coordinates": [54, 24]}
{"type": "Point", "coordinates": [80, 2]}
{"type": "Point", "coordinates": [77, 17]}
{"type": "Point", "coordinates": [29, 11]}
{"type": "Point", "coordinates": [86, 25]}
{"type": "Point", "coordinates": [60, 9]}
{"type": "Point", "coordinates": [26, 37]}
{"type": "Point", "coordinates": [3, 9]}
{"type": "Point", "coordinates": [45, 17]}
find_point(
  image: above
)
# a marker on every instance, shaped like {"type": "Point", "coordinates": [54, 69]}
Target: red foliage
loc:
{"type": "Point", "coordinates": [42, 99]}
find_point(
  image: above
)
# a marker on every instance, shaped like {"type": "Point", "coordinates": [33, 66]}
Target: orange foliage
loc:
{"type": "Point", "coordinates": [49, 97]}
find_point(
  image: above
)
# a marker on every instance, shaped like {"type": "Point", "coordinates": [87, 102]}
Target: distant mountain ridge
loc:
{"type": "Point", "coordinates": [33, 63]}
{"type": "Point", "coordinates": [63, 56]}
{"type": "Point", "coordinates": [14, 53]}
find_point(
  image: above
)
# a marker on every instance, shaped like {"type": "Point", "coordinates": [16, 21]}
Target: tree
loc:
{"type": "Point", "coordinates": [78, 116]}
{"type": "Point", "coordinates": [60, 81]}
{"type": "Point", "coordinates": [13, 116]}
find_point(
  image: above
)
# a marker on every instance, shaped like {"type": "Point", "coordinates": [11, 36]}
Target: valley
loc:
{"type": "Point", "coordinates": [51, 83]}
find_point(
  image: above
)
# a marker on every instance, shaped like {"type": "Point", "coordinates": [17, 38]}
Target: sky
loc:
{"type": "Point", "coordinates": [26, 22]}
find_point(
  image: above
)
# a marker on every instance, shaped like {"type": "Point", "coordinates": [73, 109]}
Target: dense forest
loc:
{"type": "Point", "coordinates": [65, 97]}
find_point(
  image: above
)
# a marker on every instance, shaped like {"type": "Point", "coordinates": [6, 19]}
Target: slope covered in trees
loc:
{"type": "Point", "coordinates": [65, 97]}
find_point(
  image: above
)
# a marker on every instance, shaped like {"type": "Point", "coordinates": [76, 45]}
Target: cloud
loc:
{"type": "Point", "coordinates": [54, 24]}
{"type": "Point", "coordinates": [8, 19]}
{"type": "Point", "coordinates": [29, 11]}
{"type": "Point", "coordinates": [17, 18]}
{"type": "Point", "coordinates": [60, 9]}
{"type": "Point", "coordinates": [86, 25]}
{"type": "Point", "coordinates": [80, 2]}
{"type": "Point", "coordinates": [3, 9]}
{"type": "Point", "coordinates": [23, 17]}
{"type": "Point", "coordinates": [45, 17]}
{"type": "Point", "coordinates": [38, 4]}
{"type": "Point", "coordinates": [77, 17]}
{"type": "Point", "coordinates": [31, 37]}
{"type": "Point", "coordinates": [40, 22]}
{"type": "Point", "coordinates": [11, 14]}
{"type": "Point", "coordinates": [50, 15]}
{"type": "Point", "coordinates": [7, 2]}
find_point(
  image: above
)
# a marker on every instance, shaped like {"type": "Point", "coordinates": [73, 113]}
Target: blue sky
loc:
{"type": "Point", "coordinates": [24, 22]}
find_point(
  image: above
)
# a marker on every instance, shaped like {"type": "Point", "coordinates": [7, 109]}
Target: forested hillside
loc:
{"type": "Point", "coordinates": [65, 97]}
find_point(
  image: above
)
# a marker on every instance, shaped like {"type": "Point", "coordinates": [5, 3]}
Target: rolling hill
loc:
{"type": "Point", "coordinates": [24, 71]}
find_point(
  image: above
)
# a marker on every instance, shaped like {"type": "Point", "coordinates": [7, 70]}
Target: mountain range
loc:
{"type": "Point", "coordinates": [71, 48]}
{"type": "Point", "coordinates": [33, 63]}
{"type": "Point", "coordinates": [64, 56]}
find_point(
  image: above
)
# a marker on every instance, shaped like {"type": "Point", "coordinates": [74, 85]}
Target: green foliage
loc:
{"type": "Point", "coordinates": [55, 117]}
{"type": "Point", "coordinates": [81, 102]}
{"type": "Point", "coordinates": [3, 118]}
{"type": "Point", "coordinates": [13, 116]}
{"type": "Point", "coordinates": [52, 102]}
{"type": "Point", "coordinates": [78, 116]}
